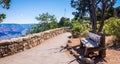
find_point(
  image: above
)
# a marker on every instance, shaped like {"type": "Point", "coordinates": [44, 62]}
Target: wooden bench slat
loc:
{"type": "Point", "coordinates": [88, 43]}
{"type": "Point", "coordinates": [94, 37]}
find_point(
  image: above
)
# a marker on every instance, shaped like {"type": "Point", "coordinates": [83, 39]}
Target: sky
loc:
{"type": "Point", "coordinates": [25, 11]}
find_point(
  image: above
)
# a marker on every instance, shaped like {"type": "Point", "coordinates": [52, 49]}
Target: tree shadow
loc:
{"type": "Point", "coordinates": [98, 59]}
{"type": "Point", "coordinates": [78, 60]}
{"type": "Point", "coordinates": [115, 47]}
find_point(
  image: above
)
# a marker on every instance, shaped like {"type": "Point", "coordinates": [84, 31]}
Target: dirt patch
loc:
{"type": "Point", "coordinates": [74, 42]}
{"type": "Point", "coordinates": [109, 40]}
{"type": "Point", "coordinates": [112, 57]}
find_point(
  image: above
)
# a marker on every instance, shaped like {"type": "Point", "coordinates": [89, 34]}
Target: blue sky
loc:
{"type": "Point", "coordinates": [25, 11]}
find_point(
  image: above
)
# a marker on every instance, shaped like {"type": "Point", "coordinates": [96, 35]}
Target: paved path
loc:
{"type": "Point", "coordinates": [46, 53]}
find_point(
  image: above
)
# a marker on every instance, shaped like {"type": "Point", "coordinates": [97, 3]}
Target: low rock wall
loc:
{"type": "Point", "coordinates": [15, 45]}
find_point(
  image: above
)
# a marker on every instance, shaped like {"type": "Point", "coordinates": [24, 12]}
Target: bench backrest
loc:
{"type": "Point", "coordinates": [96, 38]}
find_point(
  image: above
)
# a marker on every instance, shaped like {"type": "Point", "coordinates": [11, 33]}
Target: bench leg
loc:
{"type": "Point", "coordinates": [86, 52]}
{"type": "Point", "coordinates": [102, 53]}
{"type": "Point", "coordinates": [81, 45]}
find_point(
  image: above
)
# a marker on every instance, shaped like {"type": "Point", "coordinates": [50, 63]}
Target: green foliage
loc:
{"type": "Point", "coordinates": [112, 27]}
{"type": "Point", "coordinates": [5, 4]}
{"type": "Point", "coordinates": [75, 23]}
{"type": "Point", "coordinates": [52, 25]}
{"type": "Point", "coordinates": [82, 7]}
{"type": "Point", "coordinates": [79, 28]}
{"type": "Point", "coordinates": [107, 15]}
{"type": "Point", "coordinates": [96, 9]}
{"type": "Point", "coordinates": [47, 22]}
{"type": "Point", "coordinates": [2, 16]}
{"type": "Point", "coordinates": [64, 22]}
{"type": "Point", "coordinates": [35, 29]}
{"type": "Point", "coordinates": [45, 17]}
{"type": "Point", "coordinates": [76, 31]}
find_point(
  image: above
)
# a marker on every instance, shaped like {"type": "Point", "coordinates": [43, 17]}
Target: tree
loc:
{"type": "Point", "coordinates": [84, 7]}
{"type": "Point", "coordinates": [47, 22]}
{"type": "Point", "coordinates": [111, 12]}
{"type": "Point", "coordinates": [5, 4]}
{"type": "Point", "coordinates": [64, 22]}
{"type": "Point", "coordinates": [53, 24]}
{"type": "Point", "coordinates": [91, 7]}
{"type": "Point", "coordinates": [44, 18]}
{"type": "Point", "coordinates": [106, 5]}
{"type": "Point", "coordinates": [117, 10]}
{"type": "Point", "coordinates": [2, 16]}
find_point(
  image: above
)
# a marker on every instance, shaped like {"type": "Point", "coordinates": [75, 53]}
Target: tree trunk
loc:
{"type": "Point", "coordinates": [91, 21]}
{"type": "Point", "coordinates": [102, 15]}
{"type": "Point", "coordinates": [94, 16]}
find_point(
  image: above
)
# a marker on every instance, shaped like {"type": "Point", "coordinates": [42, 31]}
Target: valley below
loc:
{"type": "Point", "coordinates": [8, 31]}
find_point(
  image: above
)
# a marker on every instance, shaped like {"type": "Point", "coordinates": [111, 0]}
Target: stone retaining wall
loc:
{"type": "Point", "coordinates": [15, 45]}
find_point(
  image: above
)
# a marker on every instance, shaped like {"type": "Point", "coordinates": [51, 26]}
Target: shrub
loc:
{"type": "Point", "coordinates": [79, 28]}
{"type": "Point", "coordinates": [64, 22]}
{"type": "Point", "coordinates": [76, 31]}
{"type": "Point", "coordinates": [112, 27]}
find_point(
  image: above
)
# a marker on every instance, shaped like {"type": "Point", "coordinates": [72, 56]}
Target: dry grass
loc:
{"type": "Point", "coordinates": [110, 40]}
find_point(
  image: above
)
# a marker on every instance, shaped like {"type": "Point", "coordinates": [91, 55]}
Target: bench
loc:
{"type": "Point", "coordinates": [94, 42]}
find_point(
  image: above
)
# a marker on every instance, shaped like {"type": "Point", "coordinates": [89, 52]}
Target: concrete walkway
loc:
{"type": "Point", "coordinates": [46, 53]}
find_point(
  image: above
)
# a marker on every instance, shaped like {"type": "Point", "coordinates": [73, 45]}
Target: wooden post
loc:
{"type": "Point", "coordinates": [102, 52]}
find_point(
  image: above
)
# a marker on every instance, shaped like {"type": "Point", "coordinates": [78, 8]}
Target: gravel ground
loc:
{"type": "Point", "coordinates": [46, 53]}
